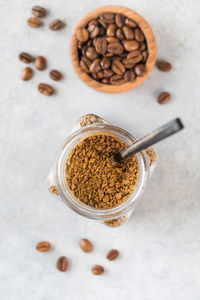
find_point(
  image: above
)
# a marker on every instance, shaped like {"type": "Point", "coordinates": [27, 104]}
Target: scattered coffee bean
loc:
{"type": "Point", "coordinates": [164, 66]}
{"type": "Point", "coordinates": [38, 11]}
{"type": "Point", "coordinates": [86, 245]}
{"type": "Point", "coordinates": [45, 89]}
{"type": "Point", "coordinates": [25, 57]}
{"type": "Point", "coordinates": [62, 264]}
{"type": "Point", "coordinates": [112, 254]}
{"type": "Point", "coordinates": [164, 97]}
{"type": "Point", "coordinates": [140, 70]}
{"type": "Point", "coordinates": [55, 75]}
{"type": "Point", "coordinates": [43, 246]}
{"type": "Point", "coordinates": [97, 270]}
{"type": "Point", "coordinates": [40, 63]}
{"type": "Point", "coordinates": [56, 25]}
{"type": "Point", "coordinates": [34, 22]}
{"type": "Point", "coordinates": [27, 74]}
{"type": "Point", "coordinates": [110, 46]}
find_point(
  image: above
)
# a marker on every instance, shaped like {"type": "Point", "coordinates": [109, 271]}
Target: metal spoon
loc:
{"type": "Point", "coordinates": [149, 140]}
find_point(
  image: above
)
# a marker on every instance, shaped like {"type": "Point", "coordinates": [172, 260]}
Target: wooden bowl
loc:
{"type": "Point", "coordinates": [150, 40]}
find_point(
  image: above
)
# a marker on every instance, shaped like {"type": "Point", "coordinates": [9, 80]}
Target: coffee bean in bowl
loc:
{"type": "Point", "coordinates": [113, 49]}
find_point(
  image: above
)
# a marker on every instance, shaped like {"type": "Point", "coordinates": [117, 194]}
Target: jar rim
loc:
{"type": "Point", "coordinates": [59, 173]}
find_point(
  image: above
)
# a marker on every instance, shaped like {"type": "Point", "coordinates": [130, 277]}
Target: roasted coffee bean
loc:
{"type": "Point", "coordinates": [112, 254]}
{"type": "Point", "coordinates": [142, 46]}
{"type": "Point", "coordinates": [79, 45]}
{"type": "Point", "coordinates": [97, 270]}
{"type": "Point", "coordinates": [164, 97]}
{"type": "Point", "coordinates": [140, 70]}
{"type": "Point", "coordinates": [119, 20]}
{"type": "Point", "coordinates": [90, 43]}
{"type": "Point", "coordinates": [100, 74]}
{"type": "Point", "coordinates": [105, 63]}
{"type": "Point", "coordinates": [84, 50]}
{"type": "Point", "coordinates": [117, 80]}
{"type": "Point", "coordinates": [101, 45]}
{"type": "Point", "coordinates": [43, 246]}
{"type": "Point", "coordinates": [91, 53]}
{"type": "Point", "coordinates": [85, 64]}
{"type": "Point", "coordinates": [105, 81]}
{"type": "Point", "coordinates": [25, 57]}
{"type": "Point", "coordinates": [102, 31]}
{"type": "Point", "coordinates": [95, 66]}
{"type": "Point", "coordinates": [128, 64]}
{"type": "Point", "coordinates": [55, 75]}
{"type": "Point", "coordinates": [38, 11]}
{"type": "Point", "coordinates": [112, 40]}
{"type": "Point", "coordinates": [93, 30]}
{"type": "Point", "coordinates": [34, 22]}
{"type": "Point", "coordinates": [129, 76]}
{"type": "Point", "coordinates": [164, 66]}
{"type": "Point", "coordinates": [139, 36]}
{"type": "Point", "coordinates": [128, 33]}
{"type": "Point", "coordinates": [115, 48]}
{"type": "Point", "coordinates": [130, 23]}
{"type": "Point", "coordinates": [93, 22]}
{"type": "Point", "coordinates": [103, 24]}
{"type": "Point", "coordinates": [86, 245]}
{"type": "Point", "coordinates": [62, 264]}
{"type": "Point", "coordinates": [40, 63]}
{"type": "Point", "coordinates": [27, 74]}
{"type": "Point", "coordinates": [108, 73]}
{"type": "Point", "coordinates": [107, 17]}
{"type": "Point", "coordinates": [94, 75]}
{"type": "Point", "coordinates": [56, 25]}
{"type": "Point", "coordinates": [111, 30]}
{"type": "Point", "coordinates": [144, 56]}
{"type": "Point", "coordinates": [45, 89]}
{"type": "Point", "coordinates": [119, 34]}
{"type": "Point", "coordinates": [131, 45]}
{"type": "Point", "coordinates": [134, 56]}
{"type": "Point", "coordinates": [82, 35]}
{"type": "Point", "coordinates": [118, 67]}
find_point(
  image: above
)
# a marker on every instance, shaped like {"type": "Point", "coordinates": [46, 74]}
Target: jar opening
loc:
{"type": "Point", "coordinates": [64, 190]}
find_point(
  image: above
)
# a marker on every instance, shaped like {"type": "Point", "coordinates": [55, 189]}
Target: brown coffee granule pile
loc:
{"type": "Point", "coordinates": [93, 179]}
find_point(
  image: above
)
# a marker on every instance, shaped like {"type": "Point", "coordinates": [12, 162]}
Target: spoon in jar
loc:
{"type": "Point", "coordinates": [150, 139]}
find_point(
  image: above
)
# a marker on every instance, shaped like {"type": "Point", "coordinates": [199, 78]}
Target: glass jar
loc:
{"type": "Point", "coordinates": [56, 182]}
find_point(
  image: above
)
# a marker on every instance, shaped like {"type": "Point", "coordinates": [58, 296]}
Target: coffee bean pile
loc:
{"type": "Point", "coordinates": [112, 49]}
{"type": "Point", "coordinates": [86, 246]}
{"type": "Point", "coordinates": [40, 12]}
{"type": "Point", "coordinates": [94, 179]}
{"type": "Point", "coordinates": [40, 64]}
{"type": "Point", "coordinates": [40, 61]}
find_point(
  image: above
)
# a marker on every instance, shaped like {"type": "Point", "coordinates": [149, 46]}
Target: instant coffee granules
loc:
{"type": "Point", "coordinates": [93, 179]}
{"type": "Point", "coordinates": [112, 49]}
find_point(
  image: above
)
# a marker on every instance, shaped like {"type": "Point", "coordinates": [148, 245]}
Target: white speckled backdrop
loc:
{"type": "Point", "coordinates": [160, 246]}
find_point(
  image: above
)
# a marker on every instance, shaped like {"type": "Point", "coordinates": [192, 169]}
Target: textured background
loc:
{"type": "Point", "coordinates": [160, 257]}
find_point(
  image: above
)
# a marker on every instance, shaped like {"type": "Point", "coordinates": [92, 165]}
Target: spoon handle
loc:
{"type": "Point", "coordinates": [151, 139]}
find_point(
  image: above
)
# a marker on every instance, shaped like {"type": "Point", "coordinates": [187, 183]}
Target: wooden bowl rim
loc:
{"type": "Point", "coordinates": [151, 45]}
